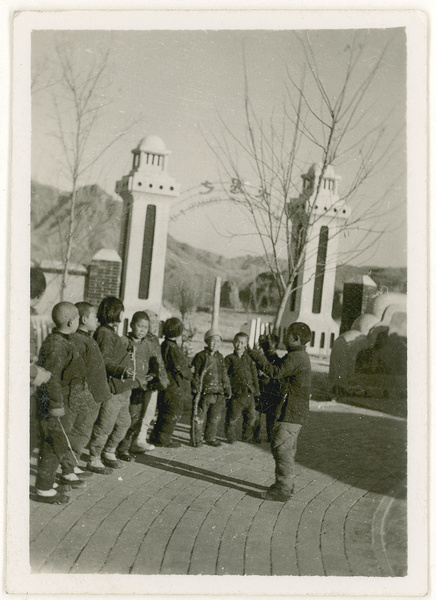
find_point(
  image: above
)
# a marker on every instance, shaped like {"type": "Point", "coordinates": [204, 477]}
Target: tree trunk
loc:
{"type": "Point", "coordinates": [69, 241]}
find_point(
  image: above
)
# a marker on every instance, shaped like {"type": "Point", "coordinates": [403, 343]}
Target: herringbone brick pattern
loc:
{"type": "Point", "coordinates": [200, 511]}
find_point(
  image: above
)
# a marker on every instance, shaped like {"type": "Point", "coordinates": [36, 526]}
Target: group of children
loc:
{"type": "Point", "coordinates": [94, 388]}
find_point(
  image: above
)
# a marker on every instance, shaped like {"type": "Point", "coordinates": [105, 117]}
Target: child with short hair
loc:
{"type": "Point", "coordinates": [293, 411]}
{"type": "Point", "coordinates": [146, 373]}
{"type": "Point", "coordinates": [210, 384]}
{"type": "Point", "coordinates": [113, 420]}
{"type": "Point", "coordinates": [154, 386]}
{"type": "Point", "coordinates": [242, 373]}
{"type": "Point", "coordinates": [59, 356]}
{"type": "Point", "coordinates": [270, 389]}
{"type": "Point", "coordinates": [171, 400]}
{"type": "Point", "coordinates": [80, 425]}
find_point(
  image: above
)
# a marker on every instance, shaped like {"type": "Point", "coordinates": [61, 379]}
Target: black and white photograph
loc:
{"type": "Point", "coordinates": [218, 254]}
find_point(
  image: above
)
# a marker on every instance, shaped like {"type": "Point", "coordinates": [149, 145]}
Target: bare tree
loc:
{"type": "Point", "coordinates": [334, 124]}
{"type": "Point", "coordinates": [79, 97]}
{"type": "Point", "coordinates": [185, 299]}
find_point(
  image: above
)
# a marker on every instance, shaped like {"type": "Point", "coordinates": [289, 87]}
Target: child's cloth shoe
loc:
{"type": "Point", "coordinates": [141, 448]}
{"type": "Point", "coordinates": [214, 443]}
{"type": "Point", "coordinates": [110, 460]}
{"type": "Point", "coordinates": [125, 456]}
{"type": "Point", "coordinates": [96, 466]}
{"type": "Point", "coordinates": [72, 480]}
{"type": "Point", "coordinates": [51, 497]}
{"type": "Point", "coordinates": [173, 444]}
{"type": "Point", "coordinates": [274, 493]}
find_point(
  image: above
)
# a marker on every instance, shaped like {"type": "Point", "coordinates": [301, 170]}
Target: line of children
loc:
{"type": "Point", "coordinates": [101, 391]}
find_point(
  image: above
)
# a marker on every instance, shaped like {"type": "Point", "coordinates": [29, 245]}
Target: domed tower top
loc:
{"type": "Point", "coordinates": [330, 181]}
{"type": "Point", "coordinates": [152, 144]}
{"type": "Point", "coordinates": [151, 153]}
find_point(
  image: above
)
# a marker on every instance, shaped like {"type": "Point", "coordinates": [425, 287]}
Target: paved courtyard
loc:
{"type": "Point", "coordinates": [200, 511]}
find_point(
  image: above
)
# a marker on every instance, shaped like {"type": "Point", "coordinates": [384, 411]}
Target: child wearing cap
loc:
{"type": "Point", "coordinates": [210, 384]}
{"type": "Point", "coordinates": [171, 400]}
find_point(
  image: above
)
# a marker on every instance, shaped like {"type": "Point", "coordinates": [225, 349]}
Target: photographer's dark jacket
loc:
{"type": "Point", "coordinates": [295, 376]}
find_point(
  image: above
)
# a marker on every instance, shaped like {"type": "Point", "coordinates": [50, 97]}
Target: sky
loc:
{"type": "Point", "coordinates": [183, 85]}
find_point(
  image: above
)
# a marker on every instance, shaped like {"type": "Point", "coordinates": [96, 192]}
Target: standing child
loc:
{"type": "Point", "coordinates": [293, 411]}
{"type": "Point", "coordinates": [270, 389]}
{"type": "Point", "coordinates": [171, 401]}
{"type": "Point", "coordinates": [211, 384]}
{"type": "Point", "coordinates": [80, 425]}
{"type": "Point", "coordinates": [59, 356]}
{"type": "Point", "coordinates": [245, 388]}
{"type": "Point", "coordinates": [161, 382]}
{"type": "Point", "coordinates": [146, 372]}
{"type": "Point", "coordinates": [114, 417]}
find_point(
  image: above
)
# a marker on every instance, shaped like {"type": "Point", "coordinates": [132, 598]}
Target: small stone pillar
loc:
{"type": "Point", "coordinates": [104, 276]}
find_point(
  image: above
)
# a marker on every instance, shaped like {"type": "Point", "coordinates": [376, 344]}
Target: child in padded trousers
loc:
{"type": "Point", "coordinates": [210, 386]}
{"type": "Point", "coordinates": [147, 376]}
{"type": "Point", "coordinates": [62, 393]}
{"type": "Point", "coordinates": [292, 413]}
{"type": "Point", "coordinates": [80, 427]}
{"type": "Point", "coordinates": [171, 401]}
{"type": "Point", "coordinates": [242, 373]}
{"type": "Point", "coordinates": [114, 417]}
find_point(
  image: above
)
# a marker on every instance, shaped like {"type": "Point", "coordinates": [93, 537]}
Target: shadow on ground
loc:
{"type": "Point", "coordinates": [187, 470]}
{"type": "Point", "coordinates": [366, 451]}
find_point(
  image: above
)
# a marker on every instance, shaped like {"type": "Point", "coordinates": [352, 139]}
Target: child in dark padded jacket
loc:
{"type": "Point", "coordinates": [62, 393]}
{"type": "Point", "coordinates": [211, 382]}
{"type": "Point", "coordinates": [292, 413]}
{"type": "Point", "coordinates": [172, 400]}
{"type": "Point", "coordinates": [114, 417]}
{"type": "Point", "coordinates": [147, 373]}
{"type": "Point", "coordinates": [270, 388]}
{"type": "Point", "coordinates": [242, 373]}
{"type": "Point", "coordinates": [80, 427]}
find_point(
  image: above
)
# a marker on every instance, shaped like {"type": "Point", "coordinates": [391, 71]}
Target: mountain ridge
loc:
{"type": "Point", "coordinates": [96, 214]}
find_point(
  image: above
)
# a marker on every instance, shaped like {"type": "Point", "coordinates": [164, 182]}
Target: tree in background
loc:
{"type": "Point", "coordinates": [80, 93]}
{"type": "Point", "coordinates": [332, 122]}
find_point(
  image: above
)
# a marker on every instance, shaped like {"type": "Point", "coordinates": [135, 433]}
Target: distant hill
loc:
{"type": "Point", "coordinates": [98, 226]}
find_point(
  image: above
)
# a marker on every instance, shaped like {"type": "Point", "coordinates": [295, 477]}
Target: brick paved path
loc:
{"type": "Point", "coordinates": [199, 511]}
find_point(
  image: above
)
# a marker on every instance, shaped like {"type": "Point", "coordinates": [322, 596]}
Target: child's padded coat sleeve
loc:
{"type": "Point", "coordinates": [287, 368]}
{"type": "Point", "coordinates": [226, 379]}
{"type": "Point", "coordinates": [180, 366]}
{"type": "Point", "coordinates": [255, 377]}
{"type": "Point", "coordinates": [54, 358]}
{"type": "Point", "coordinates": [106, 342]}
{"type": "Point", "coordinates": [198, 365]}
{"type": "Point", "coordinates": [163, 377]}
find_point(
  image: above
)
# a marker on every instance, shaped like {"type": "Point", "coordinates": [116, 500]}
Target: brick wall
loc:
{"type": "Point", "coordinates": [104, 278]}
